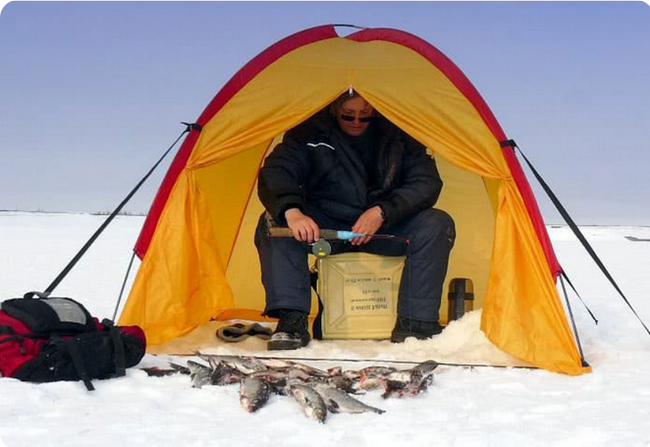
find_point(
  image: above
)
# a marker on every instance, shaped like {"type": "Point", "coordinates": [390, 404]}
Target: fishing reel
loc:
{"type": "Point", "coordinates": [321, 248]}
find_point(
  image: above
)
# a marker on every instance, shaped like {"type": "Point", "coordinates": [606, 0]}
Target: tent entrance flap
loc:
{"type": "Point", "coordinates": [227, 187]}
{"type": "Point", "coordinates": [467, 200]}
{"type": "Point", "coordinates": [243, 272]}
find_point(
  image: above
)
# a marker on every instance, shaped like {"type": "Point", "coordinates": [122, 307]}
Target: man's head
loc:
{"type": "Point", "coordinates": [353, 113]}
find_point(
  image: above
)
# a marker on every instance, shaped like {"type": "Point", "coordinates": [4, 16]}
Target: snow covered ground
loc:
{"type": "Point", "coordinates": [477, 407]}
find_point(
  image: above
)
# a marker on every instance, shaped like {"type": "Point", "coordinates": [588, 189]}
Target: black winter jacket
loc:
{"type": "Point", "coordinates": [315, 166]}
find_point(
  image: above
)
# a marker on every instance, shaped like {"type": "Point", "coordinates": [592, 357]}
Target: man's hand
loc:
{"type": "Point", "coordinates": [369, 222]}
{"type": "Point", "coordinates": [303, 227]}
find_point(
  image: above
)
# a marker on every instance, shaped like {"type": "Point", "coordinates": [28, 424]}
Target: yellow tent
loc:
{"type": "Point", "coordinates": [198, 258]}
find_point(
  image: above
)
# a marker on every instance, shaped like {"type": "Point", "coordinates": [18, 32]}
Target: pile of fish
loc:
{"type": "Point", "coordinates": [317, 391]}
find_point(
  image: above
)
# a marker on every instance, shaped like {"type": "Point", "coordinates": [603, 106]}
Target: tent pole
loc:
{"type": "Point", "coordinates": [119, 298]}
{"type": "Point", "coordinates": [347, 25]}
{"type": "Point", "coordinates": [573, 323]}
{"type": "Point", "coordinates": [593, 317]}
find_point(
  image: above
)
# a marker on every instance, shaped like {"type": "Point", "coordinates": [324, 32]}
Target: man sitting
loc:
{"type": "Point", "coordinates": [348, 168]}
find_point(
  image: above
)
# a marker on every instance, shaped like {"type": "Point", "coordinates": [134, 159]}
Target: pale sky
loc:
{"type": "Point", "coordinates": [91, 94]}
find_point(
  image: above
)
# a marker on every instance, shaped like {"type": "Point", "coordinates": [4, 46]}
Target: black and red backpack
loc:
{"type": "Point", "coordinates": [45, 339]}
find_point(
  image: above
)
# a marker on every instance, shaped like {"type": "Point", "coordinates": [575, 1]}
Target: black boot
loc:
{"type": "Point", "coordinates": [291, 332]}
{"type": "Point", "coordinates": [407, 327]}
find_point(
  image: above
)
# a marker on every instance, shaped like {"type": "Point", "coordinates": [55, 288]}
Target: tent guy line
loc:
{"type": "Point", "coordinates": [48, 291]}
{"type": "Point", "coordinates": [574, 227]}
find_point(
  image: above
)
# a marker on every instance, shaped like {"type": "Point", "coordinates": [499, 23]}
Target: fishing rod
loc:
{"type": "Point", "coordinates": [349, 360]}
{"type": "Point", "coordinates": [322, 247]}
{"type": "Point", "coordinates": [404, 362]}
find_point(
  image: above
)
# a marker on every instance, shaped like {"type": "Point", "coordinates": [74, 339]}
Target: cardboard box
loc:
{"type": "Point", "coordinates": [359, 293]}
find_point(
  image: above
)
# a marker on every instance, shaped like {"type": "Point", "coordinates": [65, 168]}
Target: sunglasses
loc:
{"type": "Point", "coordinates": [350, 118]}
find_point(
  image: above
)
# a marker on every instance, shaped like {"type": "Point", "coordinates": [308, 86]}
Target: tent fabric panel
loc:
{"type": "Point", "coordinates": [523, 314]}
{"type": "Point", "coordinates": [176, 289]}
{"type": "Point", "coordinates": [441, 62]}
{"type": "Point", "coordinates": [243, 272]}
{"type": "Point", "coordinates": [465, 198]}
{"type": "Point", "coordinates": [263, 60]}
{"type": "Point", "coordinates": [227, 187]}
{"type": "Point", "coordinates": [241, 78]}
{"type": "Point", "coordinates": [266, 107]}
{"type": "Point", "coordinates": [463, 84]}
{"type": "Point", "coordinates": [533, 210]}
{"type": "Point", "coordinates": [177, 165]}
{"type": "Point", "coordinates": [492, 189]}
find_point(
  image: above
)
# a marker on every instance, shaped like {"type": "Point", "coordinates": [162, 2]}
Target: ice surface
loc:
{"type": "Point", "coordinates": [464, 407]}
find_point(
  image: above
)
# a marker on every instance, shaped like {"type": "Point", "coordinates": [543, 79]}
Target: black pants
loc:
{"type": "Point", "coordinates": [285, 270]}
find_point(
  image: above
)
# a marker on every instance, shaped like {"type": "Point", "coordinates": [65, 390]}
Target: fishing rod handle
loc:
{"type": "Point", "coordinates": [286, 232]}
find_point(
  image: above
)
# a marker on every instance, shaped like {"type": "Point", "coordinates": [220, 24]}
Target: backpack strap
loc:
{"type": "Point", "coordinates": [6, 330]}
{"type": "Point", "coordinates": [71, 347]}
{"type": "Point", "coordinates": [118, 345]}
{"type": "Point", "coordinates": [12, 336]}
{"type": "Point", "coordinates": [31, 295]}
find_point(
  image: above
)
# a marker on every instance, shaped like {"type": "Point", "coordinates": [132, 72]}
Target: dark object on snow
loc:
{"type": "Point", "coordinates": [239, 332]}
{"type": "Point", "coordinates": [291, 331]}
{"type": "Point", "coordinates": [155, 371]}
{"type": "Point", "coordinates": [49, 315]}
{"type": "Point", "coordinates": [52, 339]}
{"type": "Point", "coordinates": [636, 239]}
{"type": "Point", "coordinates": [461, 298]}
{"type": "Point", "coordinates": [407, 327]}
